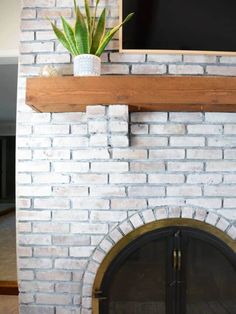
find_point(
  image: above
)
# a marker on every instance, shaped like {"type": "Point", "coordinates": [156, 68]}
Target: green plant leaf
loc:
{"type": "Point", "coordinates": [99, 32]}
{"type": "Point", "coordinates": [81, 33]}
{"type": "Point", "coordinates": [61, 37]}
{"type": "Point", "coordinates": [69, 33]}
{"type": "Point", "coordinates": [88, 15]}
{"type": "Point", "coordinates": [110, 34]}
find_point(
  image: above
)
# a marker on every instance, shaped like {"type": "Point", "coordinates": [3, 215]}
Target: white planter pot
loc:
{"type": "Point", "coordinates": [87, 65]}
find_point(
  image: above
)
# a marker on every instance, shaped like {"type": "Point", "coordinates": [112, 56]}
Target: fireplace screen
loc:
{"type": "Point", "coordinates": [171, 271]}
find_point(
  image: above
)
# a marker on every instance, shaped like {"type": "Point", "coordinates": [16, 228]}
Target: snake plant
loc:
{"type": "Point", "coordinates": [88, 35]}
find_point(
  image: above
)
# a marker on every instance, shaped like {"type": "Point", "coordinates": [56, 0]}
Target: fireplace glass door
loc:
{"type": "Point", "coordinates": [171, 271]}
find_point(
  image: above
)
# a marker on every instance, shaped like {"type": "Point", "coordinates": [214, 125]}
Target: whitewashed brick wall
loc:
{"type": "Point", "coordinates": [81, 176]}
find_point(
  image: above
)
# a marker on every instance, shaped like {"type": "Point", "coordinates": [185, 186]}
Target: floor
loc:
{"type": "Point", "coordinates": [8, 304]}
{"type": "Point", "coordinates": [7, 248]}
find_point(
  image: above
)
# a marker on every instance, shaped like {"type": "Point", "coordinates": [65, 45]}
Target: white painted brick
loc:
{"type": "Point", "coordinates": [71, 240]}
{"type": "Point", "coordinates": [33, 166]}
{"type": "Point", "coordinates": [116, 235]}
{"type": "Point", "coordinates": [115, 69]}
{"type": "Point", "coordinates": [221, 70]}
{"type": "Point", "coordinates": [119, 141]}
{"type": "Point", "coordinates": [91, 154]}
{"type": "Point", "coordinates": [136, 221]}
{"type": "Point", "coordinates": [34, 142]}
{"type": "Point", "coordinates": [139, 129]}
{"type": "Point", "coordinates": [149, 117]}
{"type": "Point", "coordinates": [90, 203]}
{"type": "Point", "coordinates": [105, 245]}
{"type": "Point", "coordinates": [147, 141]}
{"type": "Point", "coordinates": [230, 129]}
{"type": "Point", "coordinates": [50, 178]}
{"type": "Point", "coordinates": [222, 224]}
{"type": "Point", "coordinates": [89, 178]}
{"type": "Point", "coordinates": [63, 215]}
{"type": "Point", "coordinates": [109, 167]}
{"type": "Point", "coordinates": [211, 218]}
{"type": "Point", "coordinates": [116, 126]}
{"type": "Point", "coordinates": [50, 227]}
{"type": "Point", "coordinates": [35, 118]}
{"type": "Point", "coordinates": [80, 129]}
{"type": "Point", "coordinates": [164, 58]}
{"type": "Point", "coordinates": [220, 117]}
{"type": "Point", "coordinates": [51, 154]}
{"type": "Point", "coordinates": [107, 191]}
{"type": "Point", "coordinates": [167, 129]}
{"type": "Point", "coordinates": [230, 178]}
{"type": "Point", "coordinates": [91, 228]}
{"type": "Point", "coordinates": [81, 251]}
{"type": "Point", "coordinates": [50, 251]}
{"type": "Point", "coordinates": [211, 203]}
{"type": "Point", "coordinates": [228, 59]}
{"type": "Point", "coordinates": [184, 191]}
{"type": "Point", "coordinates": [153, 202]}
{"type": "Point", "coordinates": [95, 111]}
{"type": "Point", "coordinates": [160, 213]}
{"type": "Point", "coordinates": [33, 263]}
{"type": "Point", "coordinates": [126, 227]}
{"type": "Point", "coordinates": [109, 216]}
{"type": "Point", "coordinates": [70, 191]}
{"type": "Point", "coordinates": [54, 129]}
{"type": "Point", "coordinates": [147, 167]}
{"type": "Point", "coordinates": [224, 141]}
{"type": "Point", "coordinates": [24, 227]}
{"type": "Point", "coordinates": [69, 142]}
{"type": "Point", "coordinates": [53, 58]}
{"type": "Point", "coordinates": [148, 216]}
{"type": "Point", "coordinates": [45, 35]}
{"type": "Point", "coordinates": [51, 203]}
{"type": "Point", "coordinates": [53, 299]}
{"type": "Point", "coordinates": [53, 13]}
{"type": "Point", "coordinates": [174, 212]}
{"type": "Point", "coordinates": [205, 129]}
{"type": "Point", "coordinates": [166, 178]}
{"type": "Point", "coordinates": [71, 166]}
{"type": "Point", "coordinates": [186, 117]}
{"type": "Point", "coordinates": [230, 202]}
{"type": "Point", "coordinates": [146, 191]}
{"type": "Point", "coordinates": [128, 204]}
{"type": "Point", "coordinates": [27, 190]}
{"type": "Point", "coordinates": [199, 59]}
{"type": "Point", "coordinates": [167, 154]}
{"type": "Point", "coordinates": [38, 3]}
{"type": "Point", "coordinates": [185, 69]}
{"type": "Point", "coordinates": [187, 141]}
{"type": "Point", "coordinates": [27, 59]}
{"type": "Point", "coordinates": [34, 215]}
{"type": "Point", "coordinates": [53, 275]}
{"type": "Point", "coordinates": [228, 213]}
{"type": "Point", "coordinates": [24, 154]}
{"type": "Point", "coordinates": [232, 232]}
{"type": "Point", "coordinates": [129, 153]}
{"type": "Point", "coordinates": [221, 166]}
{"type": "Point", "coordinates": [97, 126]}
{"type": "Point", "coordinates": [206, 178]}
{"type": "Point", "coordinates": [99, 140]}
{"type": "Point", "coordinates": [69, 117]}
{"type": "Point", "coordinates": [200, 214]}
{"type": "Point", "coordinates": [204, 153]}
{"type": "Point", "coordinates": [149, 69]}
{"type": "Point", "coordinates": [127, 178]}
{"type": "Point", "coordinates": [185, 166]}
{"type": "Point", "coordinates": [119, 111]}
{"type": "Point", "coordinates": [126, 58]}
{"type": "Point", "coordinates": [26, 36]}
{"type": "Point", "coordinates": [223, 190]}
{"type": "Point", "coordinates": [36, 47]}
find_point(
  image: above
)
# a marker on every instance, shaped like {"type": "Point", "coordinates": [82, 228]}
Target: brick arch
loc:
{"type": "Point", "coordinates": [136, 221]}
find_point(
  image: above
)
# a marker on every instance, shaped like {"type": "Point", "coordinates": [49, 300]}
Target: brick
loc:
{"type": "Point", "coordinates": [221, 70]}
{"type": "Point", "coordinates": [91, 228]}
{"type": "Point", "coordinates": [136, 221]}
{"type": "Point", "coordinates": [71, 240]}
{"type": "Point", "coordinates": [204, 153]}
{"type": "Point", "coordinates": [33, 166]}
{"type": "Point", "coordinates": [71, 166]}
{"type": "Point", "coordinates": [116, 126]}
{"type": "Point", "coordinates": [212, 218]}
{"type": "Point", "coordinates": [51, 154]}
{"type": "Point", "coordinates": [119, 141]}
{"type": "Point", "coordinates": [147, 167]}
{"type": "Point", "coordinates": [230, 129]}
{"type": "Point", "coordinates": [73, 141]}
{"type": "Point", "coordinates": [199, 59]}
{"type": "Point", "coordinates": [99, 140]}
{"type": "Point", "coordinates": [79, 129]}
{"type": "Point", "coordinates": [110, 216]}
{"type": "Point", "coordinates": [228, 59]}
{"type": "Point", "coordinates": [222, 224]}
{"type": "Point", "coordinates": [53, 13]}
{"type": "Point", "coordinates": [73, 215]}
{"type": "Point", "coordinates": [53, 299]}
{"type": "Point", "coordinates": [89, 178]}
{"type": "Point", "coordinates": [230, 178]}
{"type": "Point", "coordinates": [220, 117]}
{"type": "Point", "coordinates": [88, 203]}
{"type": "Point", "coordinates": [148, 216]}
{"type": "Point", "coordinates": [149, 69]}
{"type": "Point", "coordinates": [224, 141]}
{"type": "Point", "coordinates": [53, 275]}
{"type": "Point", "coordinates": [139, 129]}
{"type": "Point", "coordinates": [184, 191]}
{"type": "Point", "coordinates": [149, 117]}
{"type": "Point", "coordinates": [127, 58]}
{"type": "Point", "coordinates": [166, 178]}
{"type": "Point", "coordinates": [167, 129]}
{"type": "Point", "coordinates": [187, 141]}
{"type": "Point", "coordinates": [51, 203]}
{"type": "Point", "coordinates": [95, 111]}
{"type": "Point", "coordinates": [186, 117]}
{"type": "Point", "coordinates": [223, 190]}
{"type": "Point", "coordinates": [229, 202]}
{"type": "Point", "coordinates": [228, 213]}
{"type": "Point", "coordinates": [167, 154]}
{"type": "Point", "coordinates": [221, 166]}
{"type": "Point", "coordinates": [70, 287]}
{"type": "Point", "coordinates": [129, 154]}
{"type": "Point", "coordinates": [97, 126]}
{"type": "Point", "coordinates": [36, 309]}
{"type": "Point", "coordinates": [27, 190]}
{"type": "Point", "coordinates": [232, 232]}
{"type": "Point", "coordinates": [115, 69]}
{"type": "Point", "coordinates": [50, 227]}
{"type": "Point", "coordinates": [91, 154]}
{"type": "Point", "coordinates": [53, 129]}
{"type": "Point", "coordinates": [128, 204]}
{"type": "Point", "coordinates": [119, 111]}
{"type": "Point", "coordinates": [34, 263]}
{"type": "Point", "coordinates": [50, 178]}
{"type": "Point", "coordinates": [69, 117]}
{"type": "Point", "coordinates": [50, 251]}
{"type": "Point", "coordinates": [206, 178]}
{"type": "Point", "coordinates": [185, 166]}
{"type": "Point", "coordinates": [70, 264]}
{"type": "Point", "coordinates": [34, 142]}
{"type": "Point", "coordinates": [33, 239]}
{"type": "Point", "coordinates": [38, 3]}
{"type": "Point", "coordinates": [108, 167]}
{"type": "Point", "coordinates": [164, 58]}
{"type": "Point", "coordinates": [36, 47]}
{"type": "Point", "coordinates": [26, 36]}
{"type": "Point", "coordinates": [153, 202]}
{"type": "Point", "coordinates": [204, 129]}
{"type": "Point", "coordinates": [185, 69]}
{"type": "Point", "coordinates": [146, 191]}
{"type": "Point", "coordinates": [28, 215]}
{"type": "Point", "coordinates": [107, 191]}
{"type": "Point", "coordinates": [68, 191]}
{"type": "Point", "coordinates": [147, 141]}
{"type": "Point", "coordinates": [23, 178]}
{"type": "Point", "coordinates": [127, 178]}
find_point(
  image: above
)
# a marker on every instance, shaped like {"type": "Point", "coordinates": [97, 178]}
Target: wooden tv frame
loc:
{"type": "Point", "coordinates": [165, 51]}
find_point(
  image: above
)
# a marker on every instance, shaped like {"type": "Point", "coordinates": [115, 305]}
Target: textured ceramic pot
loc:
{"type": "Point", "coordinates": [87, 65]}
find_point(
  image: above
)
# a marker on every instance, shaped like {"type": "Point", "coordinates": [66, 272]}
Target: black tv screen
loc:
{"type": "Point", "coordinates": [182, 25]}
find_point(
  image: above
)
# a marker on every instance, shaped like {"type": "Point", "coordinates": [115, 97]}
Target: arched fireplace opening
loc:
{"type": "Point", "coordinates": [173, 269]}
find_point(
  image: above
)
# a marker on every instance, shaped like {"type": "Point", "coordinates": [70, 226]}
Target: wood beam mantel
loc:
{"type": "Point", "coordinates": [141, 93]}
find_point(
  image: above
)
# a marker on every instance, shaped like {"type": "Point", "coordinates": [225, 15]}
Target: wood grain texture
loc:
{"type": "Point", "coordinates": [8, 288]}
{"type": "Point", "coordinates": [142, 93]}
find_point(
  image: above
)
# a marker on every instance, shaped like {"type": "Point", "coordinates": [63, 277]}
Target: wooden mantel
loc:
{"type": "Point", "coordinates": [141, 93]}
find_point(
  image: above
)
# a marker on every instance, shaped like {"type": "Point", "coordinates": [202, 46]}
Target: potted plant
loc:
{"type": "Point", "coordinates": [86, 39]}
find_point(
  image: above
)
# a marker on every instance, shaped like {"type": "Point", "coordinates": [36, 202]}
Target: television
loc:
{"type": "Point", "coordinates": [179, 26]}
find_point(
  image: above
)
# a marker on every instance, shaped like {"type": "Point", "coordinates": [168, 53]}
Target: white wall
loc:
{"type": "Point", "coordinates": [9, 27]}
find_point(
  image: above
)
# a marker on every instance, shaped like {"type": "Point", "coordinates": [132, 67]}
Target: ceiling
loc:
{"type": "Point", "coordinates": [8, 92]}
